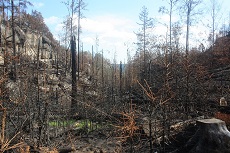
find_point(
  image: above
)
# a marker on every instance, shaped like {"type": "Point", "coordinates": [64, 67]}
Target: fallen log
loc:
{"type": "Point", "coordinates": [212, 136]}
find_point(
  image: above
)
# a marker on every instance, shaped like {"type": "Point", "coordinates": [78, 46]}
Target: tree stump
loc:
{"type": "Point", "coordinates": [212, 136]}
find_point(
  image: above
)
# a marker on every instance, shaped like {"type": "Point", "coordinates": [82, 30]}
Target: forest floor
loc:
{"type": "Point", "coordinates": [84, 136]}
{"type": "Point", "coordinates": [98, 141]}
{"type": "Point", "coordinates": [80, 140]}
{"type": "Point", "coordinates": [106, 140]}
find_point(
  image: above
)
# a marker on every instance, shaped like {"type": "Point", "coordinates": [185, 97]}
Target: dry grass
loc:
{"type": "Point", "coordinates": [24, 149]}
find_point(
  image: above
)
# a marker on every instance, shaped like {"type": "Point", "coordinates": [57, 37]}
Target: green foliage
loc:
{"type": "Point", "coordinates": [88, 125]}
{"type": "Point", "coordinates": [80, 124]}
{"type": "Point", "coordinates": [61, 123]}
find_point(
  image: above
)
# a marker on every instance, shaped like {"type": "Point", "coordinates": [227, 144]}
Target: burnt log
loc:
{"type": "Point", "coordinates": [212, 136]}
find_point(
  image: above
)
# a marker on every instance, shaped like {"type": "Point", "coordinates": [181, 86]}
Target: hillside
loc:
{"type": "Point", "coordinates": [149, 104]}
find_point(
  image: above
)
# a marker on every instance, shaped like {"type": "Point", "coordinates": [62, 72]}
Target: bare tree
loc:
{"type": "Point", "coordinates": [22, 6]}
{"type": "Point", "coordinates": [215, 10]}
{"type": "Point", "coordinates": [74, 80]}
{"type": "Point", "coordinates": [143, 35]}
{"type": "Point", "coordinates": [189, 7]}
{"type": "Point", "coordinates": [75, 7]}
{"type": "Point", "coordinates": [172, 4]}
{"type": "Point", "coordinates": [81, 6]}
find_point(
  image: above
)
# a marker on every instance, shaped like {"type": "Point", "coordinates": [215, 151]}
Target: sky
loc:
{"type": "Point", "coordinates": [114, 22]}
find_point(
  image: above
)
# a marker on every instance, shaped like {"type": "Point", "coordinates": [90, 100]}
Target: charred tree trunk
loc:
{"type": "Point", "coordinates": [120, 81]}
{"type": "Point", "coordinates": [14, 71]}
{"type": "Point", "coordinates": [92, 66]}
{"type": "Point", "coordinates": [78, 39]}
{"type": "Point", "coordinates": [82, 58]}
{"type": "Point", "coordinates": [74, 77]}
{"type": "Point", "coordinates": [38, 102]}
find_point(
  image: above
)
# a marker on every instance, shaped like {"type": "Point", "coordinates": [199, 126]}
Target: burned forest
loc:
{"type": "Point", "coordinates": [170, 95]}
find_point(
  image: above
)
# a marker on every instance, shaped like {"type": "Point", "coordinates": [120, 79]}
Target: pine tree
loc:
{"type": "Point", "coordinates": [143, 38]}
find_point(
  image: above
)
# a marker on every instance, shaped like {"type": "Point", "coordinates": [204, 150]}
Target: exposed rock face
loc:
{"type": "Point", "coordinates": [28, 41]}
{"type": "Point", "coordinates": [211, 137]}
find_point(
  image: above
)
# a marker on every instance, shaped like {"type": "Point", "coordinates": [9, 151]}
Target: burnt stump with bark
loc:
{"type": "Point", "coordinates": [212, 136]}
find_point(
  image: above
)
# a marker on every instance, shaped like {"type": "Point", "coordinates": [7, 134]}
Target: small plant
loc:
{"type": "Point", "coordinates": [128, 130]}
{"type": "Point", "coordinates": [157, 103]}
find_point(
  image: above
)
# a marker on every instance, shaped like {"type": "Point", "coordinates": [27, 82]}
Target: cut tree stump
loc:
{"type": "Point", "coordinates": [212, 136]}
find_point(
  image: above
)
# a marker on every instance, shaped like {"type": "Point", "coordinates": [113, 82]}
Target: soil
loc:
{"type": "Point", "coordinates": [79, 141]}
{"type": "Point", "coordinates": [178, 140]}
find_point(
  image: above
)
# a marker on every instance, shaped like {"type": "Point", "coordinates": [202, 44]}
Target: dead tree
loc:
{"type": "Point", "coordinates": [14, 71]}
{"type": "Point", "coordinates": [74, 77]}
